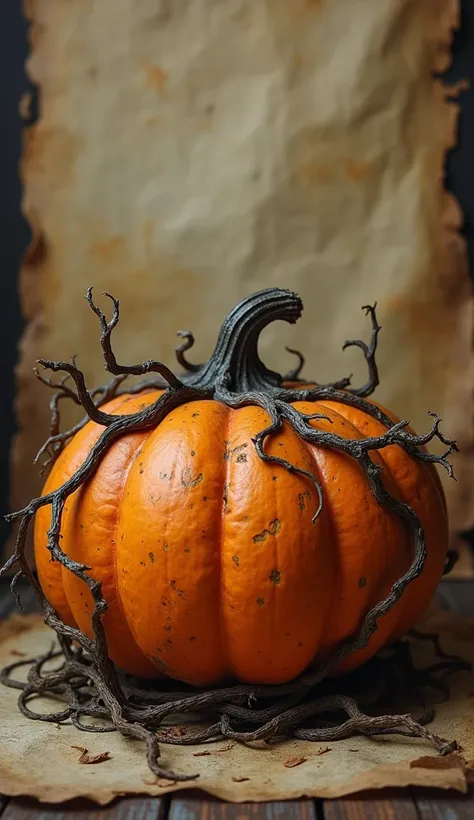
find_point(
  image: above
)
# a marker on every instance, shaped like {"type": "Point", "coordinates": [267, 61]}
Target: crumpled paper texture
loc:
{"type": "Point", "coordinates": [190, 152]}
{"type": "Point", "coordinates": [39, 759]}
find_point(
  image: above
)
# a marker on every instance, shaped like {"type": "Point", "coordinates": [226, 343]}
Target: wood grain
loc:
{"type": "Point", "coordinates": [433, 805]}
{"type": "Point", "coordinates": [182, 809]}
{"type": "Point", "coordinates": [127, 808]}
{"type": "Point", "coordinates": [372, 806]}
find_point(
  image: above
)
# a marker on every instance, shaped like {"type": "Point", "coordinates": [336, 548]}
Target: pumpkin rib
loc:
{"type": "Point", "coordinates": [368, 563]}
{"type": "Point", "coordinates": [432, 513]}
{"type": "Point", "coordinates": [390, 480]}
{"type": "Point", "coordinates": [274, 614]}
{"type": "Point", "coordinates": [175, 488]}
{"type": "Point", "coordinates": [227, 434]}
{"type": "Point", "coordinates": [97, 507]}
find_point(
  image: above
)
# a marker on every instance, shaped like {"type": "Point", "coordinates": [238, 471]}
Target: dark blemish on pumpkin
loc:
{"type": "Point", "coordinates": [82, 527]}
{"type": "Point", "coordinates": [140, 468]}
{"type": "Point", "coordinates": [245, 518]}
{"type": "Point", "coordinates": [142, 564]}
{"type": "Point", "coordinates": [167, 627]}
{"type": "Point", "coordinates": [166, 476]}
{"type": "Point", "coordinates": [274, 478]}
{"type": "Point", "coordinates": [162, 666]}
{"type": "Point", "coordinates": [180, 592]}
{"type": "Point", "coordinates": [193, 452]}
{"type": "Point", "coordinates": [187, 549]}
{"type": "Point", "coordinates": [301, 499]}
{"type": "Point", "coordinates": [204, 498]}
{"type": "Point", "coordinates": [228, 453]}
{"type": "Point", "coordinates": [151, 556]}
{"type": "Point", "coordinates": [192, 638]}
{"type": "Point", "coordinates": [300, 643]}
{"type": "Point", "coordinates": [242, 457]}
{"type": "Point", "coordinates": [98, 549]}
{"type": "Point", "coordinates": [225, 499]}
{"type": "Point", "coordinates": [195, 415]}
{"type": "Point", "coordinates": [362, 581]}
{"type": "Point", "coordinates": [166, 547]}
{"type": "Point", "coordinates": [288, 634]}
{"type": "Point", "coordinates": [187, 481]}
{"type": "Point", "coordinates": [274, 527]}
{"type": "Point", "coordinates": [275, 577]}
{"type": "Point", "coordinates": [260, 601]}
{"type": "Point", "coordinates": [232, 607]}
{"type": "Point", "coordinates": [235, 559]}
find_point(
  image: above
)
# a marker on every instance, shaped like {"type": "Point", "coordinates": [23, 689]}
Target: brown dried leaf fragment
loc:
{"type": "Point", "coordinates": [87, 758]}
{"type": "Point", "coordinates": [323, 751]}
{"type": "Point", "coordinates": [451, 761]}
{"type": "Point", "coordinates": [17, 654]}
{"type": "Point", "coordinates": [240, 779]}
{"type": "Point", "coordinates": [294, 761]}
{"type": "Point", "coordinates": [207, 752]}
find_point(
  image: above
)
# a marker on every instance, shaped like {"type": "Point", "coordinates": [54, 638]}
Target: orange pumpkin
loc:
{"type": "Point", "coordinates": [209, 559]}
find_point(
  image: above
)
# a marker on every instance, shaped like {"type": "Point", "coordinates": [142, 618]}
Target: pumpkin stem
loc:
{"type": "Point", "coordinates": [235, 362]}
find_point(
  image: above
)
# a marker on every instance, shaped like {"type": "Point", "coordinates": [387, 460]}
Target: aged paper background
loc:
{"type": "Point", "coordinates": [346, 767]}
{"type": "Point", "coordinates": [190, 152]}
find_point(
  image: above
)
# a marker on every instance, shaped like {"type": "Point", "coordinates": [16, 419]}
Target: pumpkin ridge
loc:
{"type": "Point", "coordinates": [226, 434]}
{"type": "Point", "coordinates": [127, 471]}
{"type": "Point", "coordinates": [331, 536]}
{"type": "Point", "coordinates": [377, 455]}
{"type": "Point", "coordinates": [145, 667]}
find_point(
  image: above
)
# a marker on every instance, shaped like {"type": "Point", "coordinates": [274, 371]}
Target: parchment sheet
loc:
{"type": "Point", "coordinates": [190, 152]}
{"type": "Point", "coordinates": [42, 759]}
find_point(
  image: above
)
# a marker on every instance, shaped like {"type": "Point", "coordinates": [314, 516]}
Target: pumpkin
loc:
{"type": "Point", "coordinates": [211, 559]}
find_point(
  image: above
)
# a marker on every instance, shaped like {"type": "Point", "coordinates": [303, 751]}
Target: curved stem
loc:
{"type": "Point", "coordinates": [235, 361]}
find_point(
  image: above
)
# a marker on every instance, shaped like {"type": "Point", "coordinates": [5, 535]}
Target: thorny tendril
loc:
{"type": "Point", "coordinates": [87, 681]}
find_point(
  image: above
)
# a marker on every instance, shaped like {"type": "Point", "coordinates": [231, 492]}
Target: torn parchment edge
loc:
{"type": "Point", "coordinates": [452, 772]}
{"type": "Point", "coordinates": [442, 18]}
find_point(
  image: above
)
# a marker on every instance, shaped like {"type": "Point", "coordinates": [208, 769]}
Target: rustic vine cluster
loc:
{"type": "Point", "coordinates": [86, 679]}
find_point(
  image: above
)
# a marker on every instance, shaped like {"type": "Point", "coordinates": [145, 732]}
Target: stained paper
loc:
{"type": "Point", "coordinates": [43, 760]}
{"type": "Point", "coordinates": [190, 152]}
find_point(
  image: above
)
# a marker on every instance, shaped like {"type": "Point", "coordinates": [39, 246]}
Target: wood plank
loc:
{"type": "Point", "coordinates": [386, 805]}
{"type": "Point", "coordinates": [436, 805]}
{"type": "Point", "coordinates": [126, 808]}
{"type": "Point", "coordinates": [205, 809]}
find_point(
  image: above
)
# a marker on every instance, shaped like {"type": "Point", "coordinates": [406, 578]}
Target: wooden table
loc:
{"type": "Point", "coordinates": [406, 804]}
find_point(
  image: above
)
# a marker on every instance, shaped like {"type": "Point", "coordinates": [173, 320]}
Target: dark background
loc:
{"type": "Point", "coordinates": [15, 232]}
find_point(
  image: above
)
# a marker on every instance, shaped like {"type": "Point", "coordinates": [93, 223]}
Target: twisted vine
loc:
{"type": "Point", "coordinates": [234, 375]}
